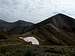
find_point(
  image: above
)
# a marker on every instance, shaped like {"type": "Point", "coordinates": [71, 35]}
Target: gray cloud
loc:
{"type": "Point", "coordinates": [34, 10]}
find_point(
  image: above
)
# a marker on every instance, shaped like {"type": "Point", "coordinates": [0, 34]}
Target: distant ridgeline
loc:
{"type": "Point", "coordinates": [17, 27]}
{"type": "Point", "coordinates": [56, 30]}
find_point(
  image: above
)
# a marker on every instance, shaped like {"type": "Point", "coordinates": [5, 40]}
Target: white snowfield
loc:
{"type": "Point", "coordinates": [33, 40]}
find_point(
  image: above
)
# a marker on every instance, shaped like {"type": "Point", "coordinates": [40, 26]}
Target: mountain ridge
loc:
{"type": "Point", "coordinates": [56, 30]}
{"type": "Point", "coordinates": [59, 20]}
{"type": "Point", "coordinates": [11, 27]}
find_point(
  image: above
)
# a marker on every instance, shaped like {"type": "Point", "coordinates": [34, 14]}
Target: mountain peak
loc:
{"type": "Point", "coordinates": [59, 20]}
{"type": "Point", "coordinates": [60, 15]}
{"type": "Point", "coordinates": [20, 21]}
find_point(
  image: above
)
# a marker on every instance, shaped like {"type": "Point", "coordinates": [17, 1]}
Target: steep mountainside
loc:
{"type": "Point", "coordinates": [56, 30]}
{"type": "Point", "coordinates": [61, 21]}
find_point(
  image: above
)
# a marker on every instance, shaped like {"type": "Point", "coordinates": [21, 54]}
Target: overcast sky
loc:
{"type": "Point", "coordinates": [34, 10]}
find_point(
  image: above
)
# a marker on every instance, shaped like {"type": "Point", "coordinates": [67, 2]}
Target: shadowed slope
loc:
{"type": "Point", "coordinates": [57, 30]}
